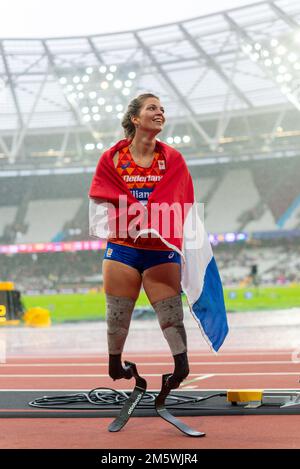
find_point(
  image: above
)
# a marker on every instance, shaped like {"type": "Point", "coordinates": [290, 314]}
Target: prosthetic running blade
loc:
{"type": "Point", "coordinates": [132, 401]}
{"type": "Point", "coordinates": [166, 415]}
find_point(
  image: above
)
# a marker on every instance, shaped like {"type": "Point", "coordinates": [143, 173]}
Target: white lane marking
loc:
{"type": "Point", "coordinates": [283, 373]}
{"type": "Point", "coordinates": [198, 378]}
{"type": "Point", "coordinates": [208, 363]}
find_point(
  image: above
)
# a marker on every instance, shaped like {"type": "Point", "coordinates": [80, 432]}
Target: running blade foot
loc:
{"type": "Point", "coordinates": [166, 415]}
{"type": "Point", "coordinates": [131, 403]}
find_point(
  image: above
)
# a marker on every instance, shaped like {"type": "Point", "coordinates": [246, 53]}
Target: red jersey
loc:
{"type": "Point", "coordinates": [141, 182]}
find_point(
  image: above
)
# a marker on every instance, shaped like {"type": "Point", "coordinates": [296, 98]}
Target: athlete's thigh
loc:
{"type": "Point", "coordinates": [162, 281]}
{"type": "Point", "coordinates": [120, 279]}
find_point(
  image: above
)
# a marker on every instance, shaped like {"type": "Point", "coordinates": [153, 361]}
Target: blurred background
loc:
{"type": "Point", "coordinates": [229, 79]}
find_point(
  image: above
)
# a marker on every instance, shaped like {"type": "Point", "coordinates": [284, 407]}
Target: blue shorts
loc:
{"type": "Point", "coordinates": [140, 259]}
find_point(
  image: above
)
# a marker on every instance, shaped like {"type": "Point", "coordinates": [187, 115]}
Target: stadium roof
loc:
{"type": "Point", "coordinates": [229, 81]}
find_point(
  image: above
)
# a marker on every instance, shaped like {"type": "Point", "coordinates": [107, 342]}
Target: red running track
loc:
{"type": "Point", "coordinates": [241, 369]}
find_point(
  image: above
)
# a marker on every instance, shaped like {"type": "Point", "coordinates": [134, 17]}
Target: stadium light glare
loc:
{"type": "Point", "coordinates": [87, 118]}
{"type": "Point", "coordinates": [128, 83]}
{"type": "Point", "coordinates": [85, 110]}
{"type": "Point", "coordinates": [132, 75]}
{"type": "Point", "coordinates": [177, 139]}
{"type": "Point", "coordinates": [170, 140]}
{"type": "Point", "coordinates": [119, 107]}
{"type": "Point", "coordinates": [63, 80]}
{"type": "Point", "coordinates": [257, 46]}
{"type": "Point", "coordinates": [80, 95]}
{"type": "Point", "coordinates": [109, 77]}
{"type": "Point", "coordinates": [76, 79]}
{"type": "Point", "coordinates": [104, 85]}
{"type": "Point", "coordinates": [279, 78]}
{"type": "Point", "coordinates": [108, 108]}
{"type": "Point", "coordinates": [99, 146]}
{"type": "Point", "coordinates": [268, 62]}
{"type": "Point", "coordinates": [89, 146]}
{"type": "Point", "coordinates": [277, 60]}
{"type": "Point", "coordinates": [254, 56]}
{"type": "Point", "coordinates": [95, 109]}
{"type": "Point", "coordinates": [120, 115]}
{"type": "Point", "coordinates": [297, 66]}
{"type": "Point", "coordinates": [96, 117]}
{"type": "Point", "coordinates": [282, 69]}
{"type": "Point", "coordinates": [89, 70]}
{"type": "Point", "coordinates": [79, 87]}
{"type": "Point", "coordinates": [274, 42]}
{"type": "Point", "coordinates": [265, 53]}
{"type": "Point", "coordinates": [297, 37]}
{"type": "Point", "coordinates": [247, 48]}
{"type": "Point", "coordinates": [288, 77]}
{"type": "Point", "coordinates": [102, 69]}
{"type": "Point", "coordinates": [125, 91]}
{"type": "Point", "coordinates": [118, 84]}
{"type": "Point", "coordinates": [281, 50]}
{"type": "Point", "coordinates": [186, 138]}
{"type": "Point", "coordinates": [113, 68]}
{"type": "Point", "coordinates": [92, 94]}
{"type": "Point", "coordinates": [85, 78]}
{"type": "Point", "coordinates": [292, 57]}
{"type": "Point", "coordinates": [101, 101]}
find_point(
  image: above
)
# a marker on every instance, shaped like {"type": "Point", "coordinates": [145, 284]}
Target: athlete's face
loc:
{"type": "Point", "coordinates": [151, 117]}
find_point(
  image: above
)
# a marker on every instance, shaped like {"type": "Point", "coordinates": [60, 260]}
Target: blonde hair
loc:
{"type": "Point", "coordinates": [133, 110]}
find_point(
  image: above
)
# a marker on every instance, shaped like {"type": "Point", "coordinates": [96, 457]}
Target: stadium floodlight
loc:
{"type": "Point", "coordinates": [80, 95]}
{"type": "Point", "coordinates": [79, 87]}
{"type": "Point", "coordinates": [277, 60]}
{"type": "Point", "coordinates": [76, 79]}
{"type": "Point", "coordinates": [119, 107]}
{"type": "Point", "coordinates": [281, 50]}
{"type": "Point", "coordinates": [128, 83]}
{"type": "Point", "coordinates": [118, 84]}
{"type": "Point", "coordinates": [87, 118]}
{"type": "Point", "coordinates": [274, 42]}
{"type": "Point", "coordinates": [85, 110]}
{"type": "Point", "coordinates": [292, 57]}
{"type": "Point", "coordinates": [92, 94]}
{"type": "Point", "coordinates": [132, 75]}
{"type": "Point", "coordinates": [96, 117]}
{"type": "Point", "coordinates": [186, 139]}
{"type": "Point", "coordinates": [104, 85]}
{"type": "Point", "coordinates": [101, 101]}
{"type": "Point", "coordinates": [177, 139]}
{"type": "Point", "coordinates": [257, 46]}
{"type": "Point", "coordinates": [125, 91]}
{"type": "Point", "coordinates": [120, 115]}
{"type": "Point", "coordinates": [108, 108]}
{"type": "Point", "coordinates": [102, 69]}
{"type": "Point", "coordinates": [288, 77]}
{"type": "Point", "coordinates": [99, 146]}
{"type": "Point", "coordinates": [89, 70]}
{"type": "Point", "coordinates": [170, 140]}
{"type": "Point", "coordinates": [265, 53]}
{"type": "Point", "coordinates": [247, 48]}
{"type": "Point", "coordinates": [95, 109]}
{"type": "Point", "coordinates": [85, 78]}
{"type": "Point", "coordinates": [268, 62]}
{"type": "Point", "coordinates": [63, 80]}
{"type": "Point", "coordinates": [70, 87]}
{"type": "Point", "coordinates": [113, 68]}
{"type": "Point", "coordinates": [282, 69]}
{"type": "Point", "coordinates": [254, 56]}
{"type": "Point", "coordinates": [109, 77]}
{"type": "Point", "coordinates": [89, 146]}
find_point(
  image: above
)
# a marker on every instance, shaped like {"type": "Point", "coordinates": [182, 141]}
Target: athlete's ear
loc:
{"type": "Point", "coordinates": [135, 120]}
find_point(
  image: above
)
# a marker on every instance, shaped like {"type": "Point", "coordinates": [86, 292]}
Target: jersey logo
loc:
{"type": "Point", "coordinates": [125, 165]}
{"type": "Point", "coordinates": [161, 164]}
{"type": "Point", "coordinates": [109, 252]}
{"type": "Point", "coordinates": [171, 255]}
